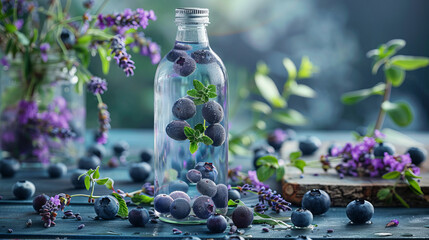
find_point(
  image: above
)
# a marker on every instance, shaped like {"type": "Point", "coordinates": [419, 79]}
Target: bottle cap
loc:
{"type": "Point", "coordinates": [192, 15]}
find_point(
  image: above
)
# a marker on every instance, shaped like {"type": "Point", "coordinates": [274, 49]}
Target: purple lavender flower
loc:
{"type": "Point", "coordinates": [148, 188]}
{"type": "Point", "coordinates": [44, 48]}
{"type": "Point", "coordinates": [253, 178]}
{"type": "Point", "coordinates": [146, 47]}
{"type": "Point", "coordinates": [49, 211]}
{"type": "Point", "coordinates": [4, 62]}
{"type": "Point", "coordinates": [267, 199]}
{"type": "Point", "coordinates": [19, 23]}
{"type": "Point", "coordinates": [97, 85]}
{"type": "Point", "coordinates": [123, 59]}
{"type": "Point", "coordinates": [27, 110]}
{"type": "Point", "coordinates": [379, 134]}
{"type": "Point", "coordinates": [104, 121]}
{"type": "Point", "coordinates": [127, 20]}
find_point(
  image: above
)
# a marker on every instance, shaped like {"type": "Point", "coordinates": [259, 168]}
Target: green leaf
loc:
{"type": "Point", "coordinates": [11, 28]}
{"type": "Point", "coordinates": [265, 219]}
{"type": "Point", "coordinates": [207, 140]}
{"type": "Point", "coordinates": [193, 147]}
{"type": "Point", "coordinates": [399, 112]}
{"type": "Point", "coordinates": [307, 68]}
{"type": "Point", "coordinates": [268, 160]}
{"type": "Point", "coordinates": [262, 68]}
{"type": "Point", "coordinates": [401, 200]}
{"type": "Point", "coordinates": [102, 181]}
{"type": "Point", "coordinates": [96, 173]}
{"type": "Point", "coordinates": [269, 91]}
{"type": "Point", "coordinates": [300, 164]}
{"type": "Point", "coordinates": [295, 155]}
{"type": "Point", "coordinates": [35, 35]}
{"type": "Point", "coordinates": [198, 101]}
{"type": "Point", "coordinates": [198, 85]}
{"type": "Point", "coordinates": [290, 68]}
{"type": "Point", "coordinates": [212, 95]}
{"type": "Point", "coordinates": [261, 107]}
{"type": "Point", "coordinates": [109, 184]}
{"type": "Point", "coordinates": [212, 88]}
{"type": "Point", "coordinates": [302, 90]}
{"type": "Point", "coordinates": [393, 46]}
{"type": "Point", "coordinates": [123, 209]}
{"type": "Point", "coordinates": [384, 193]}
{"type": "Point", "coordinates": [238, 202]}
{"type": "Point", "coordinates": [85, 39]}
{"type": "Point", "coordinates": [409, 173]}
{"type": "Point", "coordinates": [105, 64]}
{"type": "Point", "coordinates": [199, 127]}
{"type": "Point", "coordinates": [87, 182]}
{"type": "Point", "coordinates": [193, 93]}
{"type": "Point", "coordinates": [189, 132]}
{"type": "Point", "coordinates": [22, 38]}
{"type": "Point", "coordinates": [409, 62]}
{"type": "Point", "coordinates": [359, 95]}
{"type": "Point", "coordinates": [280, 172]}
{"type": "Point", "coordinates": [392, 175]}
{"type": "Point", "coordinates": [141, 199]}
{"type": "Point", "coordinates": [290, 117]}
{"type": "Point", "coordinates": [395, 75]}
{"type": "Point", "coordinates": [264, 172]}
{"type": "Point", "coordinates": [414, 186]}
{"type": "Point", "coordinates": [83, 174]}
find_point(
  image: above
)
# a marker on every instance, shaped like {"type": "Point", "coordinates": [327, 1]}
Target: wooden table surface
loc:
{"type": "Point", "coordinates": [413, 223]}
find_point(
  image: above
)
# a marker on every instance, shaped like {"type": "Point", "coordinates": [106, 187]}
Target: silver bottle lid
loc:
{"type": "Point", "coordinates": [192, 15]}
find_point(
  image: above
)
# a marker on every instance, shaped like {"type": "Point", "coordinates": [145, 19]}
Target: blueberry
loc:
{"type": "Point", "coordinates": [217, 133]}
{"type": "Point", "coordinates": [78, 183]}
{"type": "Point", "coordinates": [179, 194]}
{"type": "Point", "coordinates": [220, 199]}
{"type": "Point", "coordinates": [203, 56]}
{"type": "Point", "coordinates": [203, 207]}
{"type": "Point", "coordinates": [277, 138]}
{"type": "Point", "coordinates": [8, 167]}
{"type": "Point", "coordinates": [138, 217]}
{"type": "Point", "coordinates": [68, 38]}
{"type": "Point", "coordinates": [309, 145]}
{"type": "Point", "coordinates": [184, 108]}
{"type": "Point", "coordinates": [382, 148]}
{"type": "Point", "coordinates": [233, 194]}
{"type": "Point", "coordinates": [208, 170]}
{"type": "Point", "coordinates": [39, 201]}
{"type": "Point", "coordinates": [194, 175]}
{"type": "Point", "coordinates": [212, 112]}
{"type": "Point", "coordinates": [182, 46]}
{"type": "Point", "coordinates": [87, 163]}
{"type": "Point", "coordinates": [139, 172]}
{"type": "Point", "coordinates": [106, 207]}
{"type": "Point", "coordinates": [23, 189]}
{"type": "Point", "coordinates": [57, 170]}
{"type": "Point", "coordinates": [184, 66]}
{"type": "Point", "coordinates": [180, 208]}
{"type": "Point", "coordinates": [120, 148]}
{"type": "Point", "coordinates": [175, 54]}
{"type": "Point", "coordinates": [265, 149]}
{"type": "Point", "coordinates": [146, 155]}
{"type": "Point", "coordinates": [207, 187]}
{"type": "Point", "coordinates": [162, 203]}
{"type": "Point", "coordinates": [359, 211]}
{"type": "Point", "coordinates": [216, 224]}
{"type": "Point", "coordinates": [316, 201]}
{"type": "Point", "coordinates": [97, 150]}
{"type": "Point", "coordinates": [418, 155]}
{"type": "Point", "coordinates": [178, 185]}
{"type": "Point", "coordinates": [242, 216]}
{"type": "Point", "coordinates": [301, 217]}
{"type": "Point", "coordinates": [176, 130]}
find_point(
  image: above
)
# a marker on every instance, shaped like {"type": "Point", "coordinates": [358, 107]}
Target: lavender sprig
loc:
{"type": "Point", "coordinates": [127, 20]}
{"type": "Point", "coordinates": [49, 211]}
{"type": "Point", "coordinates": [123, 59]}
{"type": "Point", "coordinates": [267, 199]}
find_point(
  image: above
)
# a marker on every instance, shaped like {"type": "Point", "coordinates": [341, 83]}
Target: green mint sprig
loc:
{"type": "Point", "coordinates": [201, 93]}
{"type": "Point", "coordinates": [196, 136]}
{"type": "Point", "coordinates": [269, 165]}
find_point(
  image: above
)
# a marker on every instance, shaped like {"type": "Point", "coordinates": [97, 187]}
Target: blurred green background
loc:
{"type": "Point", "coordinates": [335, 35]}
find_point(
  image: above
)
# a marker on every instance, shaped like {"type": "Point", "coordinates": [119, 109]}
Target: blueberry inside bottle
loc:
{"type": "Point", "coordinates": [191, 124]}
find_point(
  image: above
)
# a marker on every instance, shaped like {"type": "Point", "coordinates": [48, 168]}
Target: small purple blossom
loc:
{"type": "Point", "coordinates": [5, 62]}
{"type": "Point", "coordinates": [123, 59]}
{"type": "Point", "coordinates": [148, 188]}
{"type": "Point", "coordinates": [19, 23]}
{"type": "Point", "coordinates": [267, 199]}
{"type": "Point", "coordinates": [393, 223]}
{"type": "Point", "coordinates": [127, 20]}
{"type": "Point", "coordinates": [146, 47]}
{"type": "Point", "coordinates": [97, 85]}
{"type": "Point", "coordinates": [27, 110]}
{"type": "Point", "coordinates": [379, 134]}
{"type": "Point", "coordinates": [49, 211]}
{"type": "Point", "coordinates": [44, 48]}
{"type": "Point", "coordinates": [255, 181]}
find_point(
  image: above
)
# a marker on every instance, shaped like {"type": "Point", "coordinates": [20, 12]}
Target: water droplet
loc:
{"type": "Point", "coordinates": [383, 234]}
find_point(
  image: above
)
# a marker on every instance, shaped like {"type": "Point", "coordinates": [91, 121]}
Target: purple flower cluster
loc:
{"type": "Point", "coordinates": [149, 189]}
{"type": "Point", "coordinates": [104, 121]}
{"type": "Point", "coordinates": [358, 160]}
{"type": "Point", "coordinates": [267, 199]}
{"type": "Point", "coordinates": [49, 211]}
{"type": "Point", "coordinates": [146, 47]}
{"type": "Point", "coordinates": [97, 85]}
{"type": "Point", "coordinates": [123, 59]}
{"type": "Point", "coordinates": [44, 48]}
{"type": "Point", "coordinates": [127, 20]}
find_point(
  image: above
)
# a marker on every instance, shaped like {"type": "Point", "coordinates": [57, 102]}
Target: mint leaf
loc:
{"type": "Point", "coordinates": [193, 93]}
{"type": "Point", "coordinates": [280, 172]}
{"type": "Point", "coordinates": [87, 182]}
{"type": "Point", "coordinates": [300, 164]}
{"type": "Point", "coordinates": [295, 155]}
{"type": "Point", "coordinates": [212, 95]}
{"type": "Point", "coordinates": [102, 181]}
{"type": "Point", "coordinates": [392, 175]}
{"type": "Point", "coordinates": [414, 186]}
{"type": "Point", "coordinates": [207, 140]}
{"type": "Point", "coordinates": [193, 147]}
{"type": "Point", "coordinates": [141, 199]}
{"type": "Point", "coordinates": [199, 127]}
{"type": "Point", "coordinates": [189, 132]}
{"type": "Point", "coordinates": [109, 184]}
{"type": "Point", "coordinates": [264, 172]}
{"type": "Point", "coordinates": [198, 101]}
{"type": "Point", "coordinates": [123, 209]}
{"type": "Point", "coordinates": [96, 173]}
{"type": "Point", "coordinates": [198, 85]}
{"type": "Point", "coordinates": [268, 161]}
{"type": "Point", "coordinates": [384, 193]}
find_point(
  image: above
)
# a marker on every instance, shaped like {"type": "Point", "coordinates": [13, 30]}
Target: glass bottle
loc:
{"type": "Point", "coordinates": [190, 78]}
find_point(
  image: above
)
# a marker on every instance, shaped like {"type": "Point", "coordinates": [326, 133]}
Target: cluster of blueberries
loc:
{"type": "Point", "coordinates": [316, 202]}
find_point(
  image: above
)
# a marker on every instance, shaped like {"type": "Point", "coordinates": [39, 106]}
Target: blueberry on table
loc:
{"type": "Point", "coordinates": [180, 208]}
{"type": "Point", "coordinates": [176, 130]}
{"type": "Point", "coordinates": [203, 56]}
{"type": "Point", "coordinates": [309, 145]}
{"type": "Point", "coordinates": [417, 155]}
{"type": "Point", "coordinates": [178, 185]}
{"type": "Point", "coordinates": [139, 172]}
{"type": "Point", "coordinates": [39, 201]}
{"type": "Point", "coordinates": [203, 207]}
{"type": "Point", "coordinates": [162, 203]}
{"type": "Point", "coordinates": [106, 207]}
{"type": "Point", "coordinates": [180, 194]}
{"type": "Point", "coordinates": [264, 149]}
{"type": "Point", "coordinates": [316, 201]}
{"type": "Point", "coordinates": [184, 66]}
{"type": "Point", "coordinates": [359, 211]}
{"type": "Point", "coordinates": [277, 138]}
{"type": "Point", "coordinates": [138, 217]}
{"type": "Point", "coordinates": [184, 108]}
{"type": "Point", "coordinates": [57, 170]}
{"type": "Point", "coordinates": [89, 162]}
{"type": "Point", "coordinates": [301, 217]}
{"type": "Point", "coordinates": [120, 148]}
{"type": "Point", "coordinates": [242, 216]}
{"type": "Point", "coordinates": [208, 170]}
{"type": "Point", "coordinates": [217, 133]}
{"type": "Point", "coordinates": [174, 54]}
{"type": "Point", "coordinates": [9, 167]}
{"type": "Point", "coordinates": [98, 150]}
{"type": "Point", "coordinates": [212, 112]}
{"type": "Point", "coordinates": [23, 189]}
{"type": "Point", "coordinates": [146, 155]}
{"type": "Point", "coordinates": [207, 187]}
{"type": "Point", "coordinates": [382, 148]}
{"type": "Point", "coordinates": [78, 183]}
{"type": "Point", "coordinates": [216, 224]}
{"type": "Point", "coordinates": [68, 38]}
{"type": "Point", "coordinates": [193, 175]}
{"type": "Point", "coordinates": [233, 194]}
{"type": "Point", "coordinates": [182, 46]}
{"type": "Point", "coordinates": [220, 199]}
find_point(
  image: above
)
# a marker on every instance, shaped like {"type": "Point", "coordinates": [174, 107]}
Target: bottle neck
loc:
{"type": "Point", "coordinates": [192, 33]}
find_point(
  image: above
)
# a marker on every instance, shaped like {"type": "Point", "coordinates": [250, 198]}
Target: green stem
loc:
{"type": "Point", "coordinates": [84, 195]}
{"type": "Point", "coordinates": [99, 99]}
{"type": "Point", "coordinates": [97, 13]}
{"type": "Point", "coordinates": [15, 11]}
{"type": "Point", "coordinates": [381, 112]}
{"type": "Point", "coordinates": [67, 7]}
